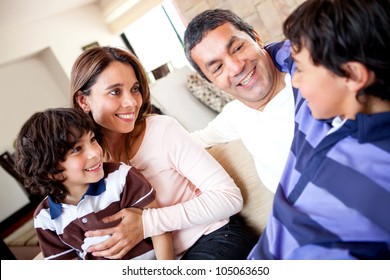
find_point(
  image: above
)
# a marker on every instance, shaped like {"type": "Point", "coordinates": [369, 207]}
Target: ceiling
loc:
{"type": "Point", "coordinates": [17, 12]}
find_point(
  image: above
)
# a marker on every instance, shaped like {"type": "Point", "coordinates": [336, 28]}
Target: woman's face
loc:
{"type": "Point", "coordinates": [115, 99]}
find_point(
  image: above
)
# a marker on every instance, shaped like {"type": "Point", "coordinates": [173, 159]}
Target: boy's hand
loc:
{"type": "Point", "coordinates": [128, 233]}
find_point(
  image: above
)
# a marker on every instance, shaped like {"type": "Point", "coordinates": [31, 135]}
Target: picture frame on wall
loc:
{"type": "Point", "coordinates": [90, 46]}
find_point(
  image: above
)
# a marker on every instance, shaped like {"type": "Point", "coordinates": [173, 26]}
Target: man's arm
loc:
{"type": "Point", "coordinates": [221, 129]}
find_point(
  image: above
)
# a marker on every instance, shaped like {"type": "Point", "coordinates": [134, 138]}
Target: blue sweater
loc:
{"type": "Point", "coordinates": [333, 200]}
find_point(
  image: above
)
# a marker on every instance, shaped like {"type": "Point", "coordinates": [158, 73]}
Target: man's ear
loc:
{"type": "Point", "coordinates": [358, 76]}
{"type": "Point", "coordinates": [83, 102]}
{"type": "Point", "coordinates": [258, 39]}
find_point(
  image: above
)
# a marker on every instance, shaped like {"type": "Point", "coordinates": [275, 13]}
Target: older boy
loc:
{"type": "Point", "coordinates": [334, 196]}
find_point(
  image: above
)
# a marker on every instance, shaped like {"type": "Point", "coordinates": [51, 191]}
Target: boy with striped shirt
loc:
{"type": "Point", "coordinates": [333, 199]}
{"type": "Point", "coordinates": [58, 155]}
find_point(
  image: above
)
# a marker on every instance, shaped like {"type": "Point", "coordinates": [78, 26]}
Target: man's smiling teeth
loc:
{"type": "Point", "coordinates": [93, 168]}
{"type": "Point", "coordinates": [126, 116]}
{"type": "Point", "coordinates": [245, 81]}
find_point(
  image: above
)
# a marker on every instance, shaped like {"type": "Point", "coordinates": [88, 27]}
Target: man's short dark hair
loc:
{"type": "Point", "coordinates": [339, 31]}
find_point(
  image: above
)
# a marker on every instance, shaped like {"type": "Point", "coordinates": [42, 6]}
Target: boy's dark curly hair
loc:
{"type": "Point", "coordinates": [338, 31]}
{"type": "Point", "coordinates": [42, 144]}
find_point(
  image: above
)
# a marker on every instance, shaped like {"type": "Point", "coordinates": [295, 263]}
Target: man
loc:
{"type": "Point", "coordinates": [227, 52]}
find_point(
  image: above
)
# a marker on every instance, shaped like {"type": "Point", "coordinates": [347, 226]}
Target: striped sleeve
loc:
{"type": "Point", "coordinates": [52, 247]}
{"type": "Point", "coordinates": [137, 191]}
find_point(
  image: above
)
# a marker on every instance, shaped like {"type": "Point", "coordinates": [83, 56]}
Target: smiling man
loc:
{"type": "Point", "coordinates": [227, 52]}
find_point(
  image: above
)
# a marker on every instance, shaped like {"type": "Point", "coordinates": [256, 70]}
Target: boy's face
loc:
{"type": "Point", "coordinates": [327, 94]}
{"type": "Point", "coordinates": [83, 164]}
{"type": "Point", "coordinates": [237, 64]}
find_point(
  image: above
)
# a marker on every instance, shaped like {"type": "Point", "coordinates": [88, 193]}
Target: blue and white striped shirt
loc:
{"type": "Point", "coordinates": [333, 200]}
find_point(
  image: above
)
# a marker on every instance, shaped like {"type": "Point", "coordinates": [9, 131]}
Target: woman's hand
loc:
{"type": "Point", "coordinates": [128, 233]}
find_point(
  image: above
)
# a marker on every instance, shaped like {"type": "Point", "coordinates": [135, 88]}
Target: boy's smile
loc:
{"type": "Point", "coordinates": [327, 94]}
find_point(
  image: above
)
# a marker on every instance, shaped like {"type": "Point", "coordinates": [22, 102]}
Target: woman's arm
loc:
{"type": "Point", "coordinates": [217, 197]}
{"type": "Point", "coordinates": [124, 236]}
{"type": "Point", "coordinates": [127, 234]}
{"type": "Point", "coordinates": [162, 244]}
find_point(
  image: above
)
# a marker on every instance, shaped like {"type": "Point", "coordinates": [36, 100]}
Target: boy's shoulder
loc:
{"type": "Point", "coordinates": [110, 167]}
{"type": "Point", "coordinates": [42, 206]}
{"type": "Point", "coordinates": [113, 167]}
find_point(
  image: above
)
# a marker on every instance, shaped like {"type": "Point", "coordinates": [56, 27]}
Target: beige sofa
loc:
{"type": "Point", "coordinates": [238, 162]}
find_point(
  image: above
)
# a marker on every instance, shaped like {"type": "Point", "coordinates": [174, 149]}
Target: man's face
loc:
{"type": "Point", "coordinates": [237, 64]}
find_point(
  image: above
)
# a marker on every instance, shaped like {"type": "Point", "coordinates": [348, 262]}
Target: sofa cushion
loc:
{"type": "Point", "coordinates": [207, 93]}
{"type": "Point", "coordinates": [238, 162]}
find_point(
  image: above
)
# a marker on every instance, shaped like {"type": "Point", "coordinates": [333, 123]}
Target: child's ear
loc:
{"type": "Point", "coordinates": [358, 76]}
{"type": "Point", "coordinates": [83, 102]}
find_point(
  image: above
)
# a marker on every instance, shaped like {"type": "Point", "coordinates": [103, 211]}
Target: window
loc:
{"type": "Point", "coordinates": [157, 37]}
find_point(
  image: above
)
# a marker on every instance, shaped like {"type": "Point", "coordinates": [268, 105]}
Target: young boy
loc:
{"type": "Point", "coordinates": [58, 155]}
{"type": "Point", "coordinates": [334, 196]}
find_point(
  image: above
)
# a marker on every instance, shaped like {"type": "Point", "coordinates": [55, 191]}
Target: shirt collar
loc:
{"type": "Point", "coordinates": [336, 123]}
{"type": "Point", "coordinates": [94, 189]}
{"type": "Point", "coordinates": [371, 128]}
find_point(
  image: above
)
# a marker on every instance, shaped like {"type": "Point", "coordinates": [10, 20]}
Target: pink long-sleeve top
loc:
{"type": "Point", "coordinates": [195, 193]}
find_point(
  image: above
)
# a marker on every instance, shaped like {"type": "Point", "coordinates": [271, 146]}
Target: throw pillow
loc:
{"type": "Point", "coordinates": [207, 93]}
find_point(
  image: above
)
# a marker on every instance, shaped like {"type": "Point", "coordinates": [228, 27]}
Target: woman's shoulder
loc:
{"type": "Point", "coordinates": [160, 118]}
{"type": "Point", "coordinates": [161, 121]}
{"type": "Point", "coordinates": [112, 168]}
{"type": "Point", "coordinates": [163, 125]}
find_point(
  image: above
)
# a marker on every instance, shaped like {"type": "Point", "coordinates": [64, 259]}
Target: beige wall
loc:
{"type": "Point", "coordinates": [35, 65]}
{"type": "Point", "coordinates": [266, 16]}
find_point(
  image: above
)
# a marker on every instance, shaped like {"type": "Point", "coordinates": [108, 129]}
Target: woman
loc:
{"type": "Point", "coordinates": [195, 193]}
